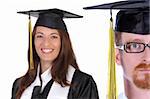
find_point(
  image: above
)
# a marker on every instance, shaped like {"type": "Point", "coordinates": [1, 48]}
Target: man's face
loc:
{"type": "Point", "coordinates": [136, 66]}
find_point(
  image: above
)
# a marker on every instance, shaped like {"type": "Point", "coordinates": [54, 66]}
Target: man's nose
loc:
{"type": "Point", "coordinates": [146, 56]}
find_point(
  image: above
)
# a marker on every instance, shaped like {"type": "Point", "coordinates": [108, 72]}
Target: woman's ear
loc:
{"type": "Point", "coordinates": [117, 56]}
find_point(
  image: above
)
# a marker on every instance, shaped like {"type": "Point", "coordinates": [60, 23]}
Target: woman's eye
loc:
{"type": "Point", "coordinates": [39, 36]}
{"type": "Point", "coordinates": [54, 37]}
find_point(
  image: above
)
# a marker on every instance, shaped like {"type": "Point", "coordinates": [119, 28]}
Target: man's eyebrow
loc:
{"type": "Point", "coordinates": [136, 40]}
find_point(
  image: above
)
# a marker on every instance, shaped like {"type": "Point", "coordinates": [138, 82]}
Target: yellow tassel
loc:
{"type": "Point", "coordinates": [112, 86]}
{"type": "Point", "coordinates": [30, 45]}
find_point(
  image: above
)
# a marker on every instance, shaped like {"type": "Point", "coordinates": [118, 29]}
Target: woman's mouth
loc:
{"type": "Point", "coordinates": [47, 50]}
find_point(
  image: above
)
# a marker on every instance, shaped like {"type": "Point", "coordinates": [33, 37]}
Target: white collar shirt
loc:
{"type": "Point", "coordinates": [56, 91]}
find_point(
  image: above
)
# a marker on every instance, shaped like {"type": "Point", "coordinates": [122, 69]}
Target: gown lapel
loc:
{"type": "Point", "coordinates": [37, 94]}
{"type": "Point", "coordinates": [53, 90]}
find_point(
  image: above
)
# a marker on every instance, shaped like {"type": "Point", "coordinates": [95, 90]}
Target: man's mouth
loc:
{"type": "Point", "coordinates": [144, 70]}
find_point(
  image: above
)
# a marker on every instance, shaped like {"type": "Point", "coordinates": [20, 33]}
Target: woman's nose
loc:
{"type": "Point", "coordinates": [46, 42]}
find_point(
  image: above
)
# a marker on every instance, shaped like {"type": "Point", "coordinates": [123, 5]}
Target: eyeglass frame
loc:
{"type": "Point", "coordinates": [124, 46]}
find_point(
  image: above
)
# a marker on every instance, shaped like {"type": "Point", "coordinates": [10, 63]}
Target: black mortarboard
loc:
{"type": "Point", "coordinates": [134, 16]}
{"type": "Point", "coordinates": [51, 18]}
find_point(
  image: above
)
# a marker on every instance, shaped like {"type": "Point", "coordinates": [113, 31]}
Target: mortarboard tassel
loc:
{"type": "Point", "coordinates": [112, 86]}
{"type": "Point", "coordinates": [31, 65]}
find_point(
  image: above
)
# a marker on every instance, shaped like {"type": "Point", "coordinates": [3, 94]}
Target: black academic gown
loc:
{"type": "Point", "coordinates": [82, 87]}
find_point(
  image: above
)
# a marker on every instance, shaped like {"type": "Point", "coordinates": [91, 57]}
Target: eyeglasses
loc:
{"type": "Point", "coordinates": [134, 47]}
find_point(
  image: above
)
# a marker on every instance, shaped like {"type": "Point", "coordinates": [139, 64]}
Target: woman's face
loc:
{"type": "Point", "coordinates": [47, 43]}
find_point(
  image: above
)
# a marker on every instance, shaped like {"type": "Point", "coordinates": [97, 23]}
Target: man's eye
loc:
{"type": "Point", "coordinates": [134, 46]}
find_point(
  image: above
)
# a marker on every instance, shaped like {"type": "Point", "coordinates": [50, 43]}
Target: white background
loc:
{"type": "Point", "coordinates": [89, 37]}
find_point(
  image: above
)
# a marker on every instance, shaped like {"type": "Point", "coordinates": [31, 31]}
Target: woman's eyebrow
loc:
{"type": "Point", "coordinates": [54, 33]}
{"type": "Point", "coordinates": [38, 33]}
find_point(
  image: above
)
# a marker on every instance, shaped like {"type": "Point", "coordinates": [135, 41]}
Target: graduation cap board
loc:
{"type": "Point", "coordinates": [51, 18]}
{"type": "Point", "coordinates": [133, 17]}
{"type": "Point", "coordinates": [129, 4]}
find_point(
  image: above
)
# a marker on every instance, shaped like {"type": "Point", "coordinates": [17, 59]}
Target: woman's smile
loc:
{"type": "Point", "coordinates": [47, 50]}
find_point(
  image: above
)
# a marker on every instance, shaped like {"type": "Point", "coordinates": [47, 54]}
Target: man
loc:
{"type": "Point", "coordinates": [132, 38]}
{"type": "Point", "coordinates": [133, 53]}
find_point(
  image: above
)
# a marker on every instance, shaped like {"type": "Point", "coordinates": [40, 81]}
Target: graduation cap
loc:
{"type": "Point", "coordinates": [133, 17]}
{"type": "Point", "coordinates": [51, 18]}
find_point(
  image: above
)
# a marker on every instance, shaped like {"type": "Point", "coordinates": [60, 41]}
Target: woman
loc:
{"type": "Point", "coordinates": [56, 74]}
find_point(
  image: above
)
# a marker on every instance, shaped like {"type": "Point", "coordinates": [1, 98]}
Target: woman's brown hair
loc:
{"type": "Point", "coordinates": [59, 68]}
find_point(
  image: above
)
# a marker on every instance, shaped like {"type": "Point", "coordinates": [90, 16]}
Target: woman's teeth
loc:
{"type": "Point", "coordinates": [46, 50]}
